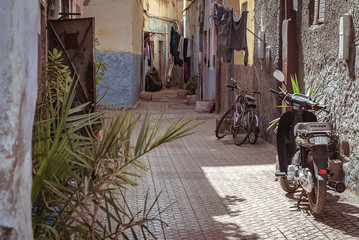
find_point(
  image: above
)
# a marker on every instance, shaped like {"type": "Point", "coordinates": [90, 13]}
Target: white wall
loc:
{"type": "Point", "coordinates": [18, 90]}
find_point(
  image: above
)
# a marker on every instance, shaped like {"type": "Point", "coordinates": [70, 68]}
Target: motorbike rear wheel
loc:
{"type": "Point", "coordinates": [287, 186]}
{"type": "Point", "coordinates": [284, 184]}
{"type": "Point", "coordinates": [318, 196]}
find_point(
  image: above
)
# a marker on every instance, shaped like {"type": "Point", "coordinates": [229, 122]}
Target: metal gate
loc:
{"type": "Point", "coordinates": [75, 38]}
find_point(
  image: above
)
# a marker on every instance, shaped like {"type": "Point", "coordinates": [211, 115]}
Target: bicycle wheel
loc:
{"type": "Point", "coordinates": [242, 129]}
{"type": "Point", "coordinates": [253, 135]}
{"type": "Point", "coordinates": [224, 126]}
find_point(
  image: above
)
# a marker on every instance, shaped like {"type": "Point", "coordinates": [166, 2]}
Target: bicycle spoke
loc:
{"type": "Point", "coordinates": [224, 126]}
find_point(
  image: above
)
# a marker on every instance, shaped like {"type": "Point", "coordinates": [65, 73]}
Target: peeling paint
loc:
{"type": "Point", "coordinates": [123, 79]}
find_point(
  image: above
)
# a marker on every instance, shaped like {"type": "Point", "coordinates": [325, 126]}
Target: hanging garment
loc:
{"type": "Point", "coordinates": [173, 41]}
{"type": "Point", "coordinates": [238, 35]}
{"type": "Point", "coordinates": [185, 46]}
{"type": "Point", "coordinates": [149, 59]}
{"type": "Point", "coordinates": [213, 36]}
{"type": "Point", "coordinates": [189, 49]}
{"type": "Point", "coordinates": [223, 18]}
{"type": "Point", "coordinates": [180, 48]}
{"type": "Point", "coordinates": [177, 60]}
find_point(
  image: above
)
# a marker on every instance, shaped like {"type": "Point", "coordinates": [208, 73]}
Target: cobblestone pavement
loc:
{"type": "Point", "coordinates": [217, 190]}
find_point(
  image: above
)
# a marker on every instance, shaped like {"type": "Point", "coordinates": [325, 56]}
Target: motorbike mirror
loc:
{"type": "Point", "coordinates": [328, 90]}
{"type": "Point", "coordinates": [278, 75]}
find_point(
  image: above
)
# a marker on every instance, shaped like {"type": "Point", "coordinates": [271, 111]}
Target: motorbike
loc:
{"type": "Point", "coordinates": [302, 148]}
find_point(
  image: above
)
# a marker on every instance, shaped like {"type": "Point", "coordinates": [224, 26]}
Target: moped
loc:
{"type": "Point", "coordinates": [302, 148]}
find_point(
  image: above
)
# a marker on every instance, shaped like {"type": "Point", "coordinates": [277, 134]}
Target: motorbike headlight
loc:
{"type": "Point", "coordinates": [319, 140]}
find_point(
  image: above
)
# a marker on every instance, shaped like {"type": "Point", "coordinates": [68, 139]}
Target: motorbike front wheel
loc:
{"type": "Point", "coordinates": [318, 196]}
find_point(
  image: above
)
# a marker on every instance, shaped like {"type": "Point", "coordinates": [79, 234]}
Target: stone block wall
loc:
{"type": "Point", "coordinates": [267, 18]}
{"type": "Point", "coordinates": [319, 61]}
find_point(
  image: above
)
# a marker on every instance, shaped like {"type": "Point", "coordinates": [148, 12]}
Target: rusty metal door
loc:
{"type": "Point", "coordinates": [75, 38]}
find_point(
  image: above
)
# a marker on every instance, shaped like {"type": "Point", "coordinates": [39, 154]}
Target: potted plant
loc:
{"type": "Point", "coordinates": [191, 88]}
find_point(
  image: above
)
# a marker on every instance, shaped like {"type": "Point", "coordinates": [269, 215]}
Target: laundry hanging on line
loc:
{"type": "Point", "coordinates": [230, 34]}
{"type": "Point", "coordinates": [180, 48]}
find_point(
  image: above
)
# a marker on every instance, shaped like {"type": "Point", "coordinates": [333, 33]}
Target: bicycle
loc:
{"type": "Point", "coordinates": [241, 120]}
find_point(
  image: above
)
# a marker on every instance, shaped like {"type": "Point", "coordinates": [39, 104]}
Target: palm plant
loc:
{"type": "Point", "coordinates": [314, 92]}
{"type": "Point", "coordinates": [78, 178]}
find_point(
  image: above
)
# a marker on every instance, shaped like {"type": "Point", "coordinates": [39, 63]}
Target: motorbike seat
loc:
{"type": "Point", "coordinates": [312, 127]}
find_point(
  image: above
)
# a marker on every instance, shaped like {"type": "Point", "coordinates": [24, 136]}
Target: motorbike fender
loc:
{"type": "Point", "coordinates": [286, 146]}
{"type": "Point", "coordinates": [320, 162]}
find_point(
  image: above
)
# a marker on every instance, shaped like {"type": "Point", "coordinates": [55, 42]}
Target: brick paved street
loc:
{"type": "Point", "coordinates": [222, 191]}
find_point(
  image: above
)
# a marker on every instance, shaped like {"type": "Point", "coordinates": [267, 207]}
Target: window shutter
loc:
{"type": "Point", "coordinates": [319, 11]}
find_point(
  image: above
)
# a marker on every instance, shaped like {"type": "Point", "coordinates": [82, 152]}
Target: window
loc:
{"type": "Point", "coordinates": [319, 11]}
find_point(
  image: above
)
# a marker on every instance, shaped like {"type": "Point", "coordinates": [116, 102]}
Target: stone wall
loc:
{"type": "Point", "coordinates": [267, 18]}
{"type": "Point", "coordinates": [18, 88]}
{"type": "Point", "coordinates": [319, 50]}
{"type": "Point", "coordinates": [318, 61]}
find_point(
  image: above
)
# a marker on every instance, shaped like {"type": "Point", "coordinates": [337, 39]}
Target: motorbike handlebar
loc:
{"type": "Point", "coordinates": [275, 91]}
{"type": "Point", "coordinates": [304, 102]}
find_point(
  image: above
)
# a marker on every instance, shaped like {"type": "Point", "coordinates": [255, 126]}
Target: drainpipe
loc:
{"type": "Point", "coordinates": [184, 19]}
{"type": "Point", "coordinates": [200, 60]}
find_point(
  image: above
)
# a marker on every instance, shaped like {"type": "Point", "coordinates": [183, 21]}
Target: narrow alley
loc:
{"type": "Point", "coordinates": [216, 190]}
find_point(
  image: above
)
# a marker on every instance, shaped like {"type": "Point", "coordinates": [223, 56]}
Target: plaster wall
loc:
{"type": "Point", "coordinates": [18, 89]}
{"type": "Point", "coordinates": [119, 29]}
{"type": "Point", "coordinates": [171, 9]}
{"type": "Point", "coordinates": [113, 24]}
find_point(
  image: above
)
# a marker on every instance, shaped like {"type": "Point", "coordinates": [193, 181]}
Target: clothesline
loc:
{"type": "Point", "coordinates": [256, 35]}
{"type": "Point", "coordinates": [153, 33]}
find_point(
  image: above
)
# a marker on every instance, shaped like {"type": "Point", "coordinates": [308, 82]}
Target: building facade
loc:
{"type": "Point", "coordinates": [119, 30]}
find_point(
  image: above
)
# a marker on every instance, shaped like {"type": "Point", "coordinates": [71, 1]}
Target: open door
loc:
{"type": "Point", "coordinates": [75, 38]}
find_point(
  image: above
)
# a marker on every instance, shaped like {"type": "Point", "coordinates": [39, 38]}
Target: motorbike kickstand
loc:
{"type": "Point", "coordinates": [300, 197]}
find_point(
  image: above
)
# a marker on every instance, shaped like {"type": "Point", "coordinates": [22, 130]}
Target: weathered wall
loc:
{"type": "Point", "coordinates": [319, 49]}
{"type": "Point", "coordinates": [267, 18]}
{"type": "Point", "coordinates": [164, 8]}
{"type": "Point", "coordinates": [18, 89]}
{"type": "Point", "coordinates": [119, 27]}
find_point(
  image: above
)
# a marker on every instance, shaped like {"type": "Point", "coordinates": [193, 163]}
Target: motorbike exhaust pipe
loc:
{"type": "Point", "coordinates": [337, 186]}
